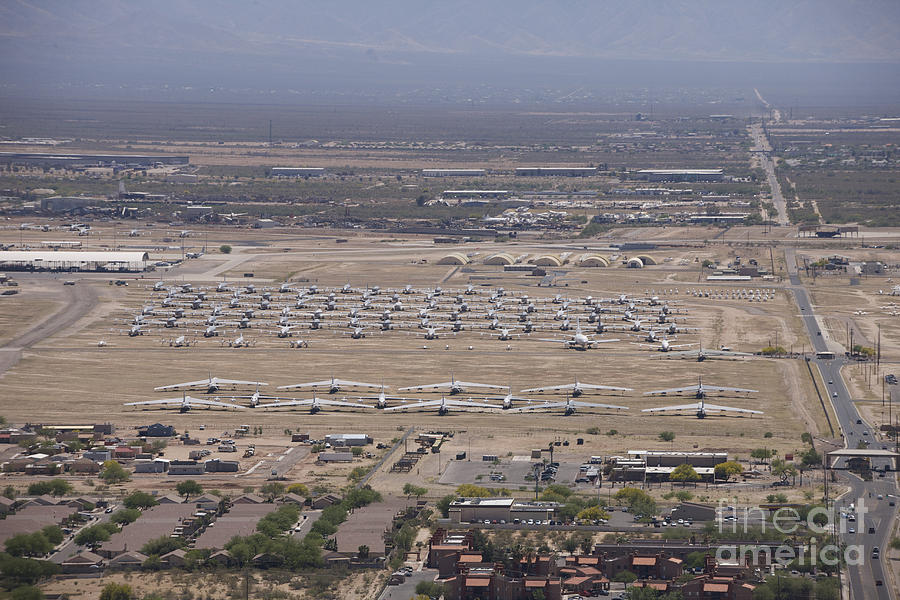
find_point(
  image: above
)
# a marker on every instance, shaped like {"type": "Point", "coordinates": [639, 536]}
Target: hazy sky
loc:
{"type": "Point", "coordinates": [360, 44]}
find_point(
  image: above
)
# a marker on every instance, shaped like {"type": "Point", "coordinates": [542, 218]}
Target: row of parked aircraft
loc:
{"type": "Point", "coordinates": [510, 402]}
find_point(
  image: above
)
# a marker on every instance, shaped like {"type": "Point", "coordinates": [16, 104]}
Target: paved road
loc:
{"type": "Point", "coordinates": [760, 142]}
{"type": "Point", "coordinates": [79, 299]}
{"type": "Point", "coordinates": [68, 548]}
{"type": "Point", "coordinates": [862, 577]}
{"type": "Point", "coordinates": [407, 589]}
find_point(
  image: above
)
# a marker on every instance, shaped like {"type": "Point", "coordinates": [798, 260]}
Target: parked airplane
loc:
{"type": "Point", "coordinates": [577, 389]}
{"type": "Point", "coordinates": [453, 386]}
{"type": "Point", "coordinates": [701, 409]}
{"type": "Point", "coordinates": [211, 384]}
{"type": "Point", "coordinates": [179, 342]}
{"type": "Point", "coordinates": [186, 403]}
{"type": "Point", "coordinates": [579, 341]}
{"type": "Point", "coordinates": [315, 404]}
{"type": "Point", "coordinates": [333, 385]}
{"type": "Point", "coordinates": [569, 406]}
{"type": "Point", "coordinates": [702, 354]}
{"type": "Point", "coordinates": [239, 342]}
{"type": "Point", "coordinates": [443, 405]}
{"type": "Point", "coordinates": [665, 345]}
{"type": "Point", "coordinates": [700, 390]}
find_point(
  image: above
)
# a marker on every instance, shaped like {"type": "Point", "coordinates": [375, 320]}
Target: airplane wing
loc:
{"type": "Point", "coordinates": [490, 386]}
{"type": "Point", "coordinates": [592, 405]}
{"type": "Point", "coordinates": [221, 381]}
{"type": "Point", "coordinates": [185, 401]}
{"type": "Point", "coordinates": [344, 382]}
{"type": "Point", "coordinates": [592, 386]}
{"type": "Point", "coordinates": [557, 340]}
{"type": "Point", "coordinates": [427, 404]}
{"type": "Point", "coordinates": [718, 388]}
{"type": "Point", "coordinates": [286, 404]}
{"type": "Point", "coordinates": [545, 405]}
{"type": "Point", "coordinates": [327, 402]}
{"type": "Point", "coordinates": [694, 406]}
{"type": "Point", "coordinates": [178, 386]}
{"type": "Point", "coordinates": [603, 340]}
{"type": "Point", "coordinates": [310, 384]}
{"type": "Point", "coordinates": [430, 386]}
{"type": "Point", "coordinates": [725, 353]}
{"type": "Point", "coordinates": [714, 407]}
{"type": "Point", "coordinates": [469, 403]}
{"type": "Point", "coordinates": [689, 388]}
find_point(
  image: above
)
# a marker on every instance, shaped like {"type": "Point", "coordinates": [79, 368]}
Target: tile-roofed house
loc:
{"type": "Point", "coordinates": [248, 499]}
{"type": "Point", "coordinates": [175, 558]}
{"type": "Point", "coordinates": [240, 520]}
{"type": "Point", "coordinates": [127, 560]}
{"type": "Point", "coordinates": [85, 562]}
{"type": "Point", "coordinates": [155, 522]}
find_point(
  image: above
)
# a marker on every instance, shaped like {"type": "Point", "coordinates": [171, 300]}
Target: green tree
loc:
{"type": "Point", "coordinates": [162, 545]}
{"type": "Point", "coordinates": [592, 513]}
{"type": "Point", "coordinates": [117, 591]}
{"type": "Point", "coordinates": [414, 490]}
{"type": "Point", "coordinates": [53, 487]}
{"type": "Point", "coordinates": [299, 489]}
{"type": "Point", "coordinates": [113, 473]}
{"type": "Point", "coordinates": [638, 501]}
{"type": "Point", "coordinates": [272, 490]}
{"type": "Point", "coordinates": [27, 592]}
{"type": "Point", "coordinates": [363, 551]}
{"type": "Point", "coordinates": [468, 490]}
{"type": "Point", "coordinates": [10, 492]}
{"type": "Point", "coordinates": [225, 249]}
{"type": "Point", "coordinates": [444, 503]}
{"type": "Point", "coordinates": [53, 534]}
{"type": "Point", "coordinates": [125, 516]}
{"type": "Point", "coordinates": [685, 473]}
{"type": "Point", "coordinates": [139, 500]}
{"type": "Point", "coordinates": [667, 436]}
{"type": "Point", "coordinates": [727, 470]}
{"type": "Point", "coordinates": [188, 488]}
{"type": "Point", "coordinates": [761, 454]}
{"type": "Point", "coordinates": [28, 544]}
{"type": "Point", "coordinates": [625, 577]}
{"type": "Point", "coordinates": [92, 536]}
{"type": "Point", "coordinates": [432, 589]}
{"type": "Point", "coordinates": [810, 458]}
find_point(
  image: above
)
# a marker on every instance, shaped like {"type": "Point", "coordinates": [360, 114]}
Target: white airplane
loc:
{"type": "Point", "coordinates": [505, 334]}
{"type": "Point", "coordinates": [579, 341]}
{"type": "Point", "coordinates": [569, 406]}
{"type": "Point", "coordinates": [381, 399]}
{"type": "Point", "coordinates": [222, 287]}
{"type": "Point", "coordinates": [185, 233]}
{"type": "Point", "coordinates": [453, 386]}
{"type": "Point", "coordinates": [298, 344]}
{"type": "Point", "coordinates": [577, 389]}
{"type": "Point", "coordinates": [315, 404]}
{"type": "Point", "coordinates": [211, 384]}
{"type": "Point", "coordinates": [509, 399]}
{"type": "Point", "coordinates": [701, 409]}
{"type": "Point", "coordinates": [700, 390]}
{"type": "Point", "coordinates": [211, 331]}
{"type": "Point", "coordinates": [665, 345]}
{"type": "Point", "coordinates": [134, 233]}
{"type": "Point", "coordinates": [179, 342]}
{"type": "Point", "coordinates": [239, 342]}
{"type": "Point", "coordinates": [702, 354]}
{"type": "Point", "coordinates": [333, 385]}
{"type": "Point", "coordinates": [286, 330]}
{"type": "Point", "coordinates": [358, 333]}
{"type": "Point", "coordinates": [159, 286]}
{"type": "Point", "coordinates": [186, 403]}
{"type": "Point", "coordinates": [136, 330]}
{"type": "Point", "coordinates": [443, 405]}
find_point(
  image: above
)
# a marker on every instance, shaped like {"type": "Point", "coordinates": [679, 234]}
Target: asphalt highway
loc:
{"type": "Point", "coordinates": [880, 515]}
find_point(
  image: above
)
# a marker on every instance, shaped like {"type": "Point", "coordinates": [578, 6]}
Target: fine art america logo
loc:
{"type": "Point", "coordinates": [786, 521]}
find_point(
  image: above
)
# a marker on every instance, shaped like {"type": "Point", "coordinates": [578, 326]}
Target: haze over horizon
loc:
{"type": "Point", "coordinates": [354, 47]}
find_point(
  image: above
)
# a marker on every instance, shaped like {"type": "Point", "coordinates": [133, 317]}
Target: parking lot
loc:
{"type": "Point", "coordinates": [509, 473]}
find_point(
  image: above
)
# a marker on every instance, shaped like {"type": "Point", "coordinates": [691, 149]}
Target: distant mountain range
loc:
{"type": "Point", "coordinates": [730, 30]}
{"type": "Point", "coordinates": [258, 42]}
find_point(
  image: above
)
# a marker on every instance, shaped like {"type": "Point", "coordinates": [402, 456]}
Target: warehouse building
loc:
{"type": "Point", "coordinates": [30, 260]}
{"type": "Point", "coordinates": [62, 204]}
{"type": "Point", "coordinates": [556, 171]}
{"type": "Point", "coordinates": [71, 161]}
{"type": "Point", "coordinates": [453, 172]}
{"type": "Point", "coordinates": [297, 171]}
{"type": "Point", "coordinates": [474, 194]}
{"type": "Point", "coordinates": [454, 258]}
{"type": "Point", "coordinates": [681, 175]}
{"type": "Point", "coordinates": [593, 260]}
{"type": "Point", "coordinates": [643, 465]}
{"type": "Point", "coordinates": [476, 510]}
{"type": "Point", "coordinates": [348, 439]}
{"type": "Point", "coordinates": [500, 259]}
